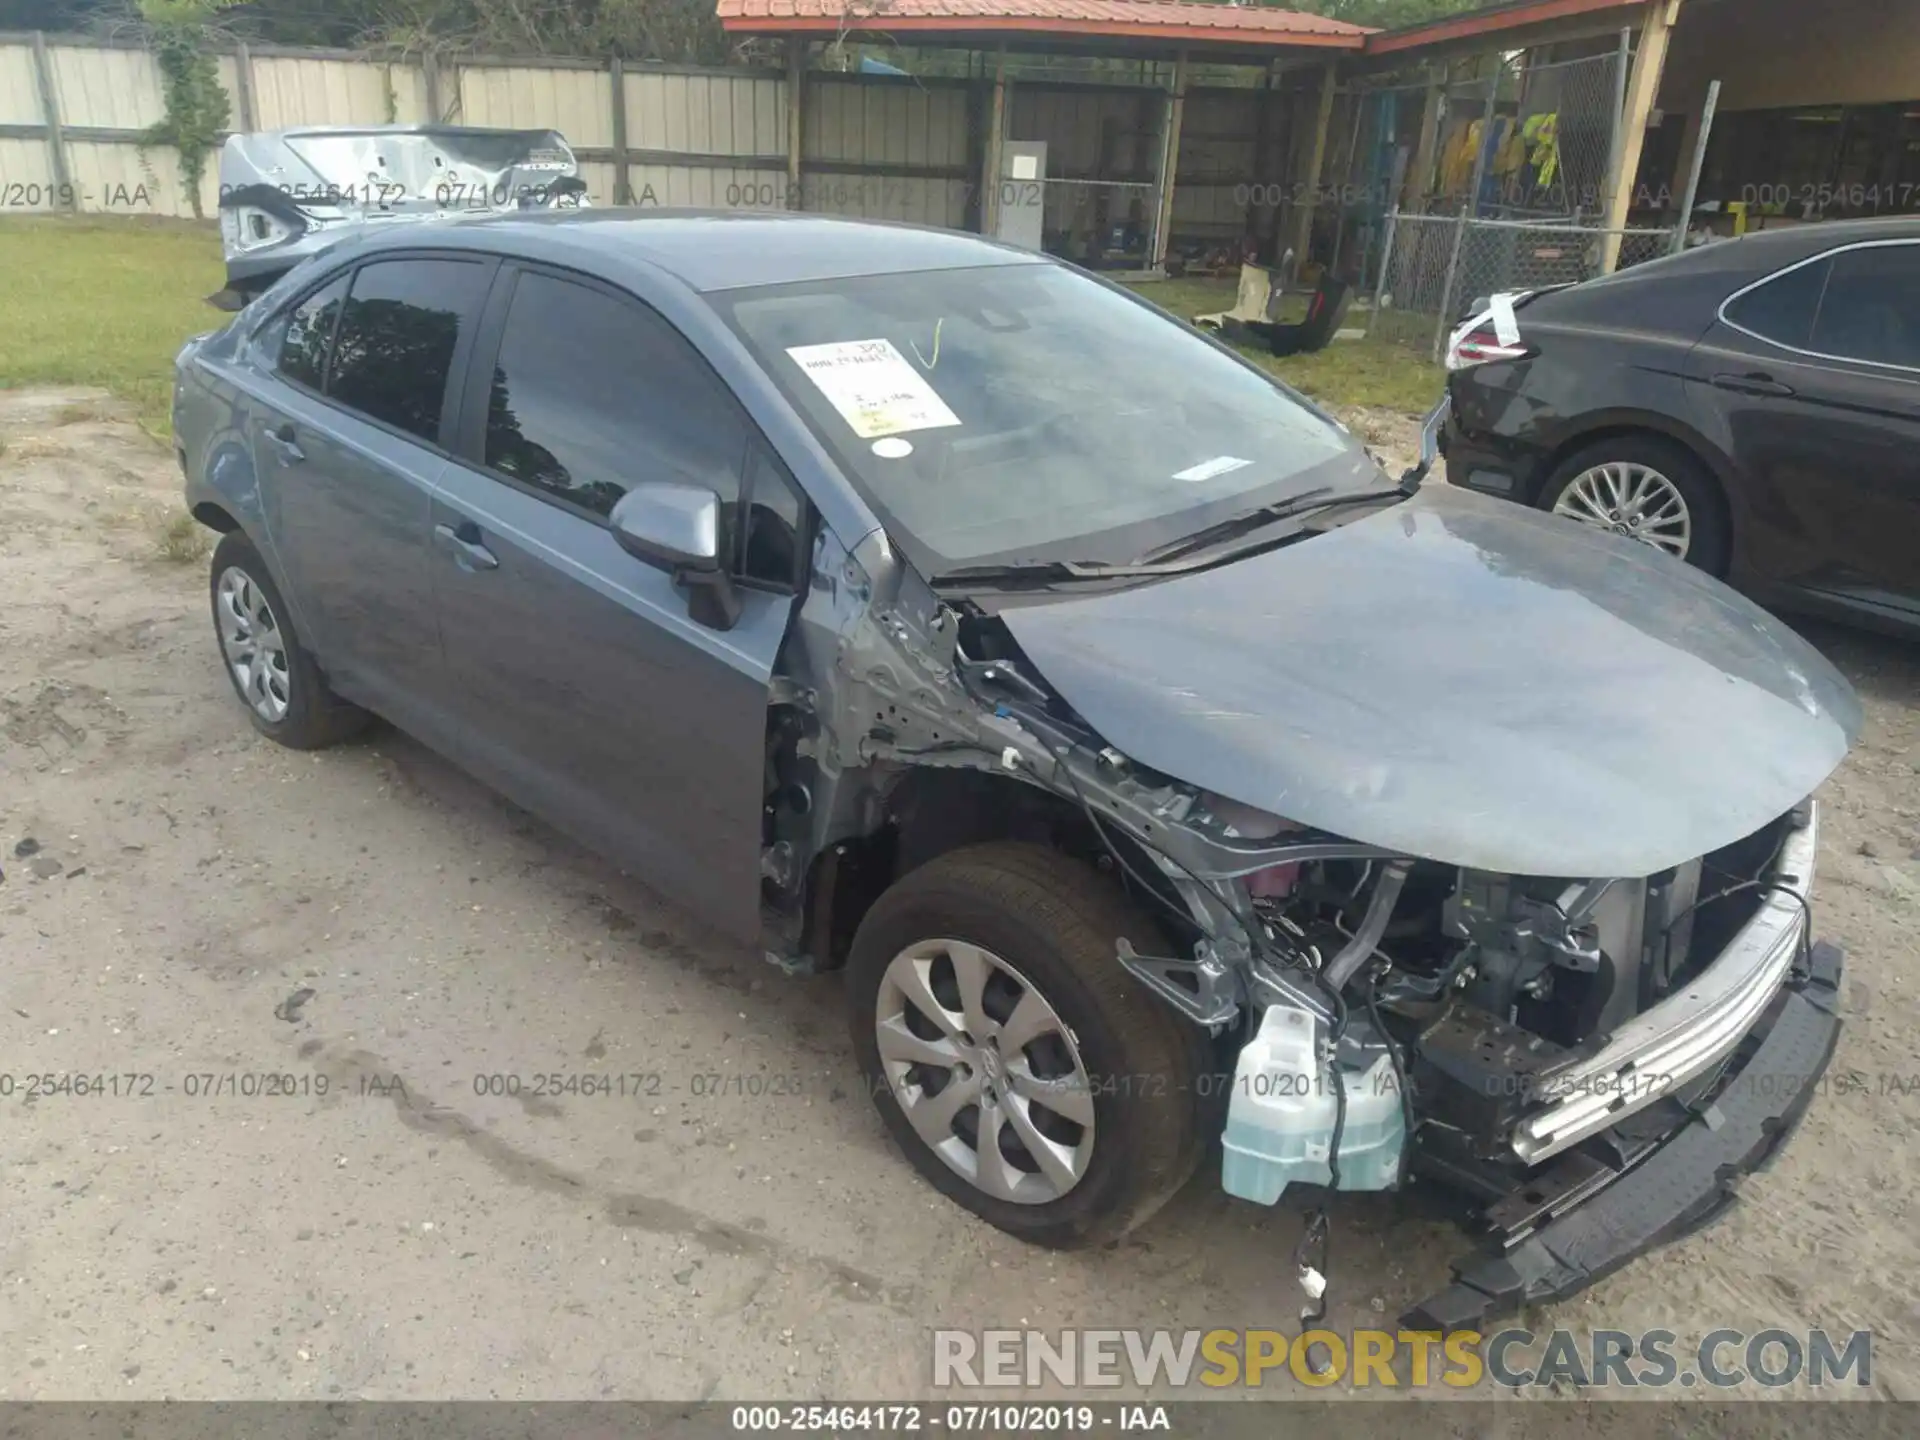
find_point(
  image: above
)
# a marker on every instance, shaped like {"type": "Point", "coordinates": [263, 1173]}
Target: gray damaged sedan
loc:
{"type": "Point", "coordinates": [1170, 784]}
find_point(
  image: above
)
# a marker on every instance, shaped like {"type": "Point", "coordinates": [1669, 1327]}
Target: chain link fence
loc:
{"type": "Point", "coordinates": [1565, 139]}
{"type": "Point", "coordinates": [1437, 265]}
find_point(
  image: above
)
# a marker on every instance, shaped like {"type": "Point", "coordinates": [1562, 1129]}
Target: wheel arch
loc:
{"type": "Point", "coordinates": [1607, 425]}
{"type": "Point", "coordinates": [1614, 424]}
{"type": "Point", "coordinates": [932, 811]}
{"type": "Point", "coordinates": [215, 517]}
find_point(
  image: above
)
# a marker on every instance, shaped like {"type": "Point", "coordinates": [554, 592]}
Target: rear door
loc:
{"type": "Point", "coordinates": [587, 691]}
{"type": "Point", "coordinates": [1812, 379]}
{"type": "Point", "coordinates": [349, 452]}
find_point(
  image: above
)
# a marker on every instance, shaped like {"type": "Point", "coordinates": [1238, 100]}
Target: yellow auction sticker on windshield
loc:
{"type": "Point", "coordinates": [873, 387]}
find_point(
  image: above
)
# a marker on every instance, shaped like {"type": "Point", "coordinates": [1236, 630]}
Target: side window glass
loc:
{"type": "Point", "coordinates": [774, 549]}
{"type": "Point", "coordinates": [305, 333]}
{"type": "Point", "coordinates": [1871, 309]}
{"type": "Point", "coordinates": [1782, 310]}
{"type": "Point", "coordinates": [397, 336]}
{"type": "Point", "coordinates": [591, 394]}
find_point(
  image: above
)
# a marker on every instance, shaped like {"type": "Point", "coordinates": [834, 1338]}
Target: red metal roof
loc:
{"type": "Point", "coordinates": [1488, 23]}
{"type": "Point", "coordinates": [1144, 19]}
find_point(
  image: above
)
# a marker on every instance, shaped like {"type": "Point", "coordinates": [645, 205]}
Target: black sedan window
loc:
{"type": "Point", "coordinates": [1782, 309]}
{"type": "Point", "coordinates": [1871, 308]}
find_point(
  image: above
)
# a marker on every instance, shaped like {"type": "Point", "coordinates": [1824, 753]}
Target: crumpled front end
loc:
{"type": "Point", "coordinates": [1590, 1062]}
{"type": "Point", "coordinates": [1530, 996]}
{"type": "Point", "coordinates": [1532, 1042]}
{"type": "Point", "coordinates": [287, 194]}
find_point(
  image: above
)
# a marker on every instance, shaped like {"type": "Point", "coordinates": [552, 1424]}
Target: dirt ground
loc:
{"type": "Point", "coordinates": [408, 1235]}
{"type": "Point", "coordinates": [1392, 438]}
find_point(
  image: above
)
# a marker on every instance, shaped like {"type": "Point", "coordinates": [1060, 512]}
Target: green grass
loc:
{"type": "Point", "coordinates": [180, 539]}
{"type": "Point", "coordinates": [106, 302]}
{"type": "Point", "coordinates": [1347, 372]}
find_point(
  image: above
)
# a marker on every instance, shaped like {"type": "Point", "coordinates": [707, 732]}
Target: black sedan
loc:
{"type": "Point", "coordinates": [1752, 406]}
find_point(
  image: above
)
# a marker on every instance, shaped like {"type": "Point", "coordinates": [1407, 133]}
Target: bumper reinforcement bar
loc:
{"type": "Point", "coordinates": [1683, 1184]}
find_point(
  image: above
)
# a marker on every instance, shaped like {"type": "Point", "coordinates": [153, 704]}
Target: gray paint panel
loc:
{"type": "Point", "coordinates": [1462, 679]}
{"type": "Point", "coordinates": [587, 694]}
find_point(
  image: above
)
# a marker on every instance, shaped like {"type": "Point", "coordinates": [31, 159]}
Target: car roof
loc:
{"type": "Point", "coordinates": [1678, 294]}
{"type": "Point", "coordinates": [1762, 250]}
{"type": "Point", "coordinates": [1816, 236]}
{"type": "Point", "coordinates": [717, 249]}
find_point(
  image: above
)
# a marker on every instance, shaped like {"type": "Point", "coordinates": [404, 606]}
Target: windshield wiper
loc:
{"type": "Point", "coordinates": [1048, 572]}
{"type": "Point", "coordinates": [1321, 497]}
{"type": "Point", "coordinates": [1157, 564]}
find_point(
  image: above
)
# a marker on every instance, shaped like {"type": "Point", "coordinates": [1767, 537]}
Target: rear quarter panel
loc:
{"type": "Point", "coordinates": [215, 412]}
{"type": "Point", "coordinates": [210, 429]}
{"type": "Point", "coordinates": [1613, 355]}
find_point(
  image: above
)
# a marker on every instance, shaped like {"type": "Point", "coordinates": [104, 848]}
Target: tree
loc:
{"type": "Point", "coordinates": [673, 30]}
{"type": "Point", "coordinates": [1383, 14]}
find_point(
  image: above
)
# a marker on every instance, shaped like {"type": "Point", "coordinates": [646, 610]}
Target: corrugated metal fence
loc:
{"type": "Point", "coordinates": [73, 111]}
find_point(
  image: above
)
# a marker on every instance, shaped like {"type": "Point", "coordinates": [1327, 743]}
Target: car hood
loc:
{"type": "Point", "coordinates": [1464, 680]}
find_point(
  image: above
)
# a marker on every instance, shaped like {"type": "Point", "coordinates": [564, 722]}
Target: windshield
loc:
{"type": "Point", "coordinates": [1020, 412]}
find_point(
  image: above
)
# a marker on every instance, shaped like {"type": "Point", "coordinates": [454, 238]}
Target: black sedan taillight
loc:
{"type": "Point", "coordinates": [1481, 345]}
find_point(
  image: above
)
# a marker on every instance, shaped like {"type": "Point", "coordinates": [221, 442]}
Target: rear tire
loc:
{"type": "Point", "coordinates": [277, 681]}
{"type": "Point", "coordinates": [1035, 923]}
{"type": "Point", "coordinates": [1664, 467]}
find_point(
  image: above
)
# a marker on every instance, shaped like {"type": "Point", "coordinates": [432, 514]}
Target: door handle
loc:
{"type": "Point", "coordinates": [286, 442]}
{"type": "Point", "coordinates": [1752, 383]}
{"type": "Point", "coordinates": [469, 551]}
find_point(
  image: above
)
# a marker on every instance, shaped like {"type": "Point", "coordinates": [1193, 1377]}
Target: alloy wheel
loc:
{"type": "Point", "coordinates": [255, 646]}
{"type": "Point", "coordinates": [1630, 499]}
{"type": "Point", "coordinates": [985, 1071]}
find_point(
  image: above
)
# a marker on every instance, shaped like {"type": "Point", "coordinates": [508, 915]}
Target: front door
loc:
{"type": "Point", "coordinates": [589, 693]}
{"type": "Point", "coordinates": [1812, 381]}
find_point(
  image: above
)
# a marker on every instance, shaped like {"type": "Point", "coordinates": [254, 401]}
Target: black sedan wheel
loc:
{"type": "Point", "coordinates": [1646, 489]}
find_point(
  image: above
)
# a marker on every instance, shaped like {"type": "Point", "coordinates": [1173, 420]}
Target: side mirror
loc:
{"type": "Point", "coordinates": [681, 529]}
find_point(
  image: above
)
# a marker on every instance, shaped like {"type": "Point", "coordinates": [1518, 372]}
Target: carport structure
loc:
{"type": "Point", "coordinates": [1087, 122]}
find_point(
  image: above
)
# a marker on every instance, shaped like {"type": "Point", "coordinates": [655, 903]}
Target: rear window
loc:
{"type": "Point", "coordinates": [1782, 309]}
{"type": "Point", "coordinates": [394, 349]}
{"type": "Point", "coordinates": [306, 332]}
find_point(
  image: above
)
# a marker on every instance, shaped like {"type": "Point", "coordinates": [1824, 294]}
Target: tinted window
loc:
{"type": "Point", "coordinates": [1871, 309]}
{"type": "Point", "coordinates": [591, 394]}
{"type": "Point", "coordinates": [305, 333]}
{"type": "Point", "coordinates": [1782, 310]}
{"type": "Point", "coordinates": [396, 339]}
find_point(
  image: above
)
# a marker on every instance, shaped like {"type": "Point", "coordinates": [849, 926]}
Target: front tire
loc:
{"type": "Point", "coordinates": [1025, 1073]}
{"type": "Point", "coordinates": [285, 695]}
{"type": "Point", "coordinates": [1647, 488]}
